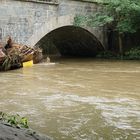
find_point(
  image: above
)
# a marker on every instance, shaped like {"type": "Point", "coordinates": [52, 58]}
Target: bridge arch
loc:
{"type": "Point", "coordinates": [70, 41]}
{"type": "Point", "coordinates": [60, 21]}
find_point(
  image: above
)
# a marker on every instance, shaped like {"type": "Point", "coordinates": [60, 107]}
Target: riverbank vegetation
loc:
{"type": "Point", "coordinates": [14, 120]}
{"type": "Point", "coordinates": [16, 127]}
{"type": "Point", "coordinates": [132, 54]}
{"type": "Point", "coordinates": [120, 18]}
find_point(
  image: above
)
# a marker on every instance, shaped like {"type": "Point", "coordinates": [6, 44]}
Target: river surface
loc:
{"type": "Point", "coordinates": [76, 99]}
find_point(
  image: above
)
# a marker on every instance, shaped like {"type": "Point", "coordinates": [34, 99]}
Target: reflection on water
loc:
{"type": "Point", "coordinates": [74, 99]}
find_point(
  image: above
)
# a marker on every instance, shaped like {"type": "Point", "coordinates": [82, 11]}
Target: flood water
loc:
{"type": "Point", "coordinates": [76, 99]}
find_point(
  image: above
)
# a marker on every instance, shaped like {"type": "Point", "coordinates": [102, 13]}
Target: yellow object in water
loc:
{"type": "Point", "coordinates": [28, 63]}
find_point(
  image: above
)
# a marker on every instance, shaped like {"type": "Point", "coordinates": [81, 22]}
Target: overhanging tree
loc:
{"type": "Point", "coordinates": [119, 15]}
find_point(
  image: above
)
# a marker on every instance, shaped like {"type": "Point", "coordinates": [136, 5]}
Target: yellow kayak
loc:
{"type": "Point", "coordinates": [28, 63]}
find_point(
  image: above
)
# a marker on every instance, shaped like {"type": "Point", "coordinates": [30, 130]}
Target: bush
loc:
{"type": "Point", "coordinates": [133, 54]}
{"type": "Point", "coordinates": [106, 54]}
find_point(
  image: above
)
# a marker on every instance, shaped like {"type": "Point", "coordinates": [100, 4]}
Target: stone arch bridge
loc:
{"type": "Point", "coordinates": [34, 22]}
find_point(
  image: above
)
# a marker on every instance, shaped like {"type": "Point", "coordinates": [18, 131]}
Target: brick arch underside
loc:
{"type": "Point", "coordinates": [71, 41]}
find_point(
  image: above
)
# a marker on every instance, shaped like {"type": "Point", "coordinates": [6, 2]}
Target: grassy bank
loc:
{"type": "Point", "coordinates": [132, 54]}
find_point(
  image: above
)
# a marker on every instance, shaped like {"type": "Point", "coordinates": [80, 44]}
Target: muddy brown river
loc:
{"type": "Point", "coordinates": [76, 99]}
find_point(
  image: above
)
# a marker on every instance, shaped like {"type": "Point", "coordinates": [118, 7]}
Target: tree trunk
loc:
{"type": "Point", "coordinates": [120, 45]}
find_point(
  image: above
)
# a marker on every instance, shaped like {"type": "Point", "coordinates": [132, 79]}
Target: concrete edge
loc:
{"type": "Point", "coordinates": [38, 1]}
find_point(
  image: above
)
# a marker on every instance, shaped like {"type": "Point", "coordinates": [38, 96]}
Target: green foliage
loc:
{"type": "Point", "coordinates": [106, 55]}
{"type": "Point", "coordinates": [120, 15]}
{"type": "Point", "coordinates": [80, 20]}
{"type": "Point", "coordinates": [92, 20]}
{"type": "Point", "coordinates": [126, 15]}
{"type": "Point", "coordinates": [133, 54]}
{"type": "Point", "coordinates": [14, 120]}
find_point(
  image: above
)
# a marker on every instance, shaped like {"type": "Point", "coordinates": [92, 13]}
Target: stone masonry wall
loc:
{"type": "Point", "coordinates": [22, 19]}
